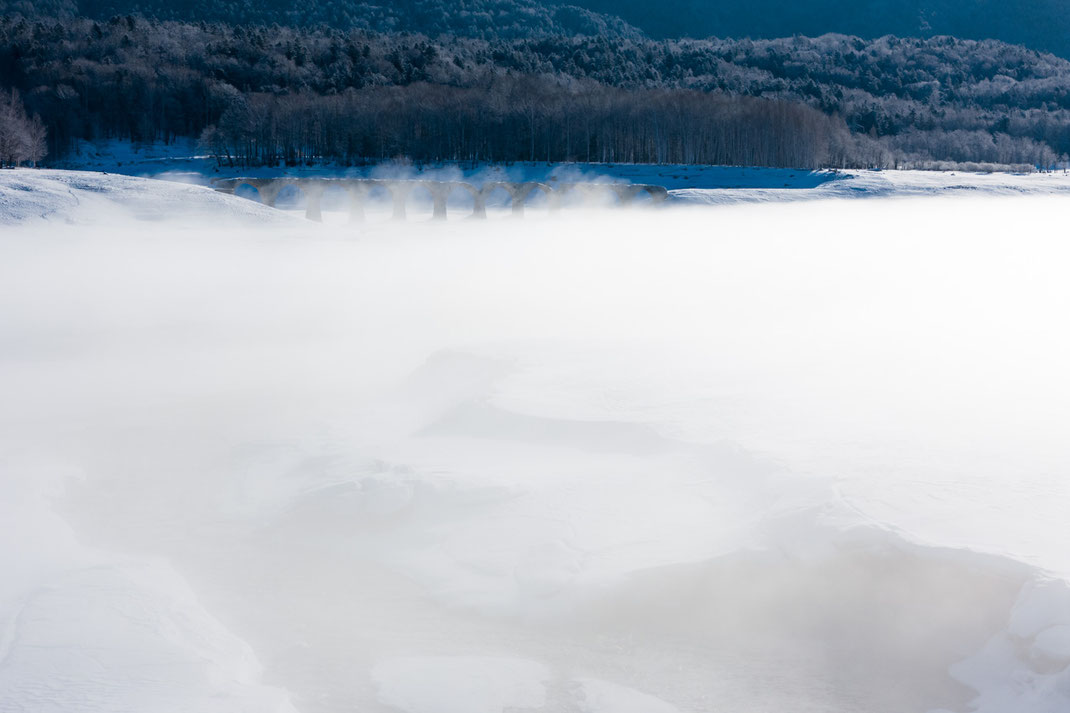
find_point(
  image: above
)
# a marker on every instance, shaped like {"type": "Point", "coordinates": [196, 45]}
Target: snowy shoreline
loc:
{"type": "Point", "coordinates": [80, 195]}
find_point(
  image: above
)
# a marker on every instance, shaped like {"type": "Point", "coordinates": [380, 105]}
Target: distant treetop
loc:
{"type": "Point", "coordinates": [1038, 24]}
{"type": "Point", "coordinates": [482, 19]}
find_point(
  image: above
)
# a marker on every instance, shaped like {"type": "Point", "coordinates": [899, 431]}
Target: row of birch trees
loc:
{"type": "Point", "coordinates": [526, 119]}
{"type": "Point", "coordinates": [22, 137]}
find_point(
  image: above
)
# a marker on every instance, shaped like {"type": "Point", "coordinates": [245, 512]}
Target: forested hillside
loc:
{"type": "Point", "coordinates": [355, 95]}
{"type": "Point", "coordinates": [486, 19]}
{"type": "Point", "coordinates": [1038, 24]}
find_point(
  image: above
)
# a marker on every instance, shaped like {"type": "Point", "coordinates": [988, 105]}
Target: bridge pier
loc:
{"type": "Point", "coordinates": [479, 206]}
{"type": "Point", "coordinates": [356, 205]}
{"type": "Point", "coordinates": [439, 193]}
{"type": "Point", "coordinates": [400, 193]}
{"type": "Point", "coordinates": [314, 198]}
{"type": "Point", "coordinates": [626, 194]}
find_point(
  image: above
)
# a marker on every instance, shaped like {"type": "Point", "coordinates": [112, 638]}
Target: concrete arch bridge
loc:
{"type": "Point", "coordinates": [359, 190]}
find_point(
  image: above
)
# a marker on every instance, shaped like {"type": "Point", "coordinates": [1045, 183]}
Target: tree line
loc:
{"type": "Point", "coordinates": [887, 102]}
{"type": "Point", "coordinates": [525, 118]}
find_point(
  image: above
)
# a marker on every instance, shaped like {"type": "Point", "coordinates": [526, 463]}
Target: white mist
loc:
{"type": "Point", "coordinates": [803, 457]}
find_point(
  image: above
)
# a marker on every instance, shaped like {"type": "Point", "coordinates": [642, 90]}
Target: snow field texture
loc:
{"type": "Point", "coordinates": [765, 458]}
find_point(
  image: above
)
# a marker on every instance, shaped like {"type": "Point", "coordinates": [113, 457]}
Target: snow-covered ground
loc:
{"type": "Point", "coordinates": [88, 197]}
{"type": "Point", "coordinates": [780, 457]}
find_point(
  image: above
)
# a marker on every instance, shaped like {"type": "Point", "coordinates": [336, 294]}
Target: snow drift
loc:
{"type": "Point", "coordinates": [90, 198]}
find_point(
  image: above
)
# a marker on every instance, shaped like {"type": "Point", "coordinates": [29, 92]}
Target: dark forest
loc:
{"type": "Point", "coordinates": [273, 95]}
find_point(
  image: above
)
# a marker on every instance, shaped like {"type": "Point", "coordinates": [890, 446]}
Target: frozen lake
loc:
{"type": "Point", "coordinates": [788, 456]}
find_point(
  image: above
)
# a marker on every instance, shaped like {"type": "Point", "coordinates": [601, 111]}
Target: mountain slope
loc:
{"type": "Point", "coordinates": [488, 19]}
{"type": "Point", "coordinates": [1039, 24]}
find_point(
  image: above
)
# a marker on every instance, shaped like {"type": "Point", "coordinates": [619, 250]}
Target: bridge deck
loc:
{"type": "Point", "coordinates": [359, 189]}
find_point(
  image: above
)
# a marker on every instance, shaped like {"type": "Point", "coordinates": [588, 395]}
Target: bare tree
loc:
{"type": "Point", "coordinates": [36, 140]}
{"type": "Point", "coordinates": [21, 138]}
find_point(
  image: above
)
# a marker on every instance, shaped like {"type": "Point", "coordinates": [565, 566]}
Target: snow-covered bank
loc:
{"type": "Point", "coordinates": [802, 457]}
{"type": "Point", "coordinates": [97, 198]}
{"type": "Point", "coordinates": [885, 184]}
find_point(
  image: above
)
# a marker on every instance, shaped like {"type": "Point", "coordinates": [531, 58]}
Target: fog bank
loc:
{"type": "Point", "coordinates": [804, 457]}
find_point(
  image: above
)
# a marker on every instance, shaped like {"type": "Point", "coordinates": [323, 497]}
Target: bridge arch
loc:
{"type": "Point", "coordinates": [249, 191]}
{"type": "Point", "coordinates": [495, 193]}
{"type": "Point", "coordinates": [376, 198]}
{"type": "Point", "coordinates": [627, 193]}
{"type": "Point", "coordinates": [289, 195]}
{"type": "Point", "coordinates": [421, 198]}
{"type": "Point", "coordinates": [598, 195]}
{"type": "Point", "coordinates": [333, 196]}
{"type": "Point", "coordinates": [657, 193]}
{"type": "Point", "coordinates": [461, 196]}
{"type": "Point", "coordinates": [526, 191]}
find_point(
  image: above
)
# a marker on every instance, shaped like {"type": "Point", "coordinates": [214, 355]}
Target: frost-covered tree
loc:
{"type": "Point", "coordinates": [22, 138]}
